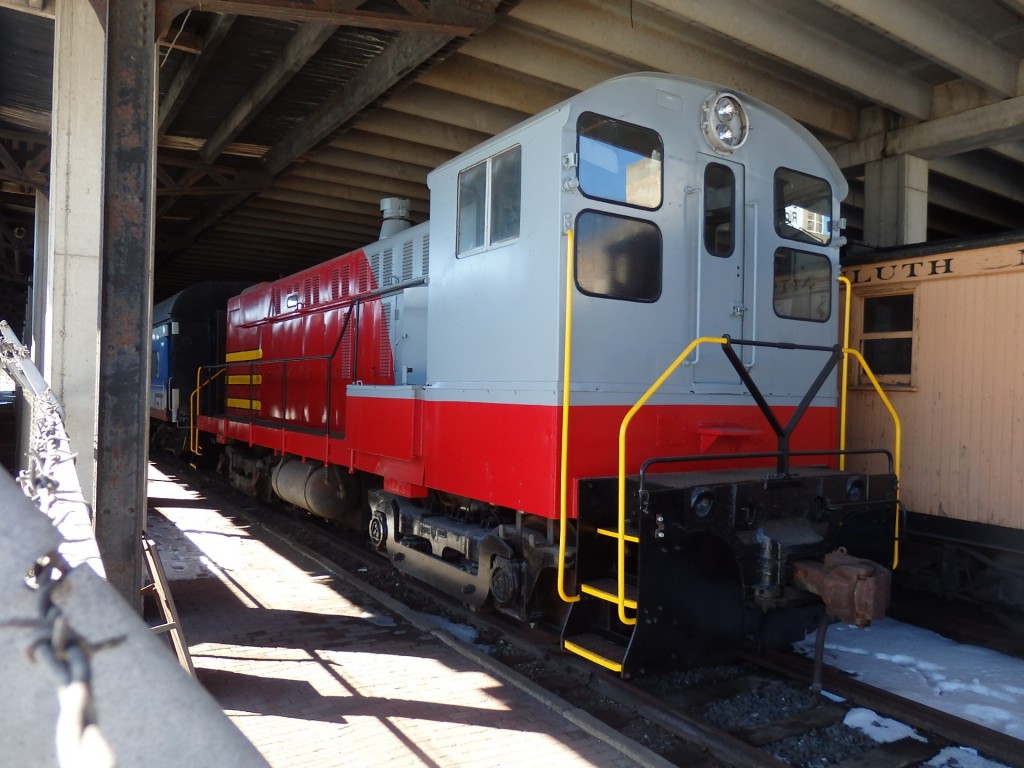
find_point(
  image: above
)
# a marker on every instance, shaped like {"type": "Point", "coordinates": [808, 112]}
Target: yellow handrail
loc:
{"type": "Point", "coordinates": [622, 462]}
{"type": "Point", "coordinates": [563, 482]}
{"type": "Point", "coordinates": [846, 372]}
{"type": "Point", "coordinates": [898, 440]}
{"type": "Point", "coordinates": [193, 408]}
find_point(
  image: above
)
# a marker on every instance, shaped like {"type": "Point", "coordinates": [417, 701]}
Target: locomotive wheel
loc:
{"type": "Point", "coordinates": [504, 585]}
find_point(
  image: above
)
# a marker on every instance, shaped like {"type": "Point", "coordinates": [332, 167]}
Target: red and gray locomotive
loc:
{"type": "Point", "coordinates": [599, 383]}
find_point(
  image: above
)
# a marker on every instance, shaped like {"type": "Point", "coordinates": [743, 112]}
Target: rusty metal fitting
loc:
{"type": "Point", "coordinates": [854, 591]}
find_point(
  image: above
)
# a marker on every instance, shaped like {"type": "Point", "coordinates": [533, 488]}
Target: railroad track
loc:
{"type": "Point", "coordinates": [755, 711]}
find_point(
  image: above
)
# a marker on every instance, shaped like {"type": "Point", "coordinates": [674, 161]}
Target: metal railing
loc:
{"type": "Point", "coordinates": [782, 432]}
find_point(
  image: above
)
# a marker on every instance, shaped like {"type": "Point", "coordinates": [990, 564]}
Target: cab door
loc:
{"type": "Point", "coordinates": [722, 265]}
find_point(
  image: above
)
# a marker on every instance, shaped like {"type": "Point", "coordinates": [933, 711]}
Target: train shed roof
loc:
{"type": "Point", "coordinates": [280, 126]}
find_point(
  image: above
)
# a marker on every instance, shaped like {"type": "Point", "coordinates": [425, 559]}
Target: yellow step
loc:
{"type": "Point", "coordinates": [608, 590]}
{"type": "Point", "coordinates": [597, 649]}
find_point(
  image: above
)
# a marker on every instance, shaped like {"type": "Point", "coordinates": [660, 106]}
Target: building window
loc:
{"type": "Point", "coordinates": [803, 285]}
{"type": "Point", "coordinates": [618, 257]}
{"type": "Point", "coordinates": [618, 161]}
{"type": "Point", "coordinates": [490, 202]}
{"type": "Point", "coordinates": [719, 209]}
{"type": "Point", "coordinates": [887, 336]}
{"type": "Point", "coordinates": [803, 207]}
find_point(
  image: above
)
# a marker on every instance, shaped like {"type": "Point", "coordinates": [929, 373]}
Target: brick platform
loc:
{"type": "Point", "coordinates": [317, 673]}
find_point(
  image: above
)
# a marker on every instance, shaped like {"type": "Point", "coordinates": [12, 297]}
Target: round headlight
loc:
{"type": "Point", "coordinates": [724, 121]}
{"type": "Point", "coordinates": [725, 108]}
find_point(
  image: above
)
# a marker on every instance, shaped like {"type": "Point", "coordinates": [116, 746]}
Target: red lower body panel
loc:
{"type": "Point", "coordinates": [508, 455]}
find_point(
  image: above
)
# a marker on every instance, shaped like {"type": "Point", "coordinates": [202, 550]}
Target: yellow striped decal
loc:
{"type": "Point", "coordinates": [257, 379]}
{"type": "Point", "coordinates": [249, 405]}
{"type": "Point", "coordinates": [243, 356]}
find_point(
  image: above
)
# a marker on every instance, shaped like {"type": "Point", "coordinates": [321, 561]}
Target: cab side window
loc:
{"type": "Point", "coordinates": [490, 202]}
{"type": "Point", "coordinates": [887, 336]}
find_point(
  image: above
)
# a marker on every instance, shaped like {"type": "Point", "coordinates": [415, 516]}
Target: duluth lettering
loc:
{"type": "Point", "coordinates": [907, 270]}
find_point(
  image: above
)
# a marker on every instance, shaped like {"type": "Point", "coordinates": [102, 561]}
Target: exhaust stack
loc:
{"type": "Point", "coordinates": [395, 216]}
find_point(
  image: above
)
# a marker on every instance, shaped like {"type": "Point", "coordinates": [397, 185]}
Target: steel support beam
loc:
{"type": "Point", "coordinates": [921, 26]}
{"type": "Point", "coordinates": [126, 290]}
{"type": "Point", "coordinates": [770, 30]}
{"type": "Point", "coordinates": [980, 128]}
{"type": "Point", "coordinates": [658, 38]}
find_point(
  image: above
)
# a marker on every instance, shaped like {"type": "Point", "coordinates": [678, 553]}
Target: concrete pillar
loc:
{"type": "Point", "coordinates": [71, 295]}
{"type": "Point", "coordinates": [35, 318]}
{"type": "Point", "coordinates": [896, 201]}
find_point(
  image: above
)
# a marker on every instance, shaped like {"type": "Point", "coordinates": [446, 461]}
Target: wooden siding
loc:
{"type": "Point", "coordinates": [963, 414]}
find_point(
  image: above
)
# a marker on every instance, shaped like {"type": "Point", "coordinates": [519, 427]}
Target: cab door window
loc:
{"type": "Point", "coordinates": [803, 207]}
{"type": "Point", "coordinates": [719, 210]}
{"type": "Point", "coordinates": [802, 288]}
{"type": "Point", "coordinates": [618, 257]}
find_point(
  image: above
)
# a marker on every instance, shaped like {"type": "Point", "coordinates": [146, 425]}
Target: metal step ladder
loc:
{"type": "Point", "coordinates": [600, 624]}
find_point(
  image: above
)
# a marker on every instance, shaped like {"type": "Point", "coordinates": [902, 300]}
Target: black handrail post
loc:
{"type": "Point", "coordinates": [753, 389]}
{"type": "Point", "coordinates": [782, 433]}
{"type": "Point", "coordinates": [330, 365]}
{"type": "Point", "coordinates": [805, 402]}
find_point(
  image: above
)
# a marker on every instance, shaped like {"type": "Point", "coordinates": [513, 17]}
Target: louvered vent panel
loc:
{"type": "Point", "coordinates": [407, 253]}
{"type": "Point", "coordinates": [336, 290]}
{"type": "Point", "coordinates": [364, 277]}
{"type": "Point", "coordinates": [346, 355]}
{"type": "Point", "coordinates": [385, 362]}
{"type": "Point", "coordinates": [375, 266]}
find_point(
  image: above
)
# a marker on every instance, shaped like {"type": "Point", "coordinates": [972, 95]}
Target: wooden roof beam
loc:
{"type": "Point", "coordinates": [404, 55]}
{"type": "Point", "coordinates": [455, 18]}
{"type": "Point", "coordinates": [300, 49]}
{"type": "Point", "coordinates": [189, 73]}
